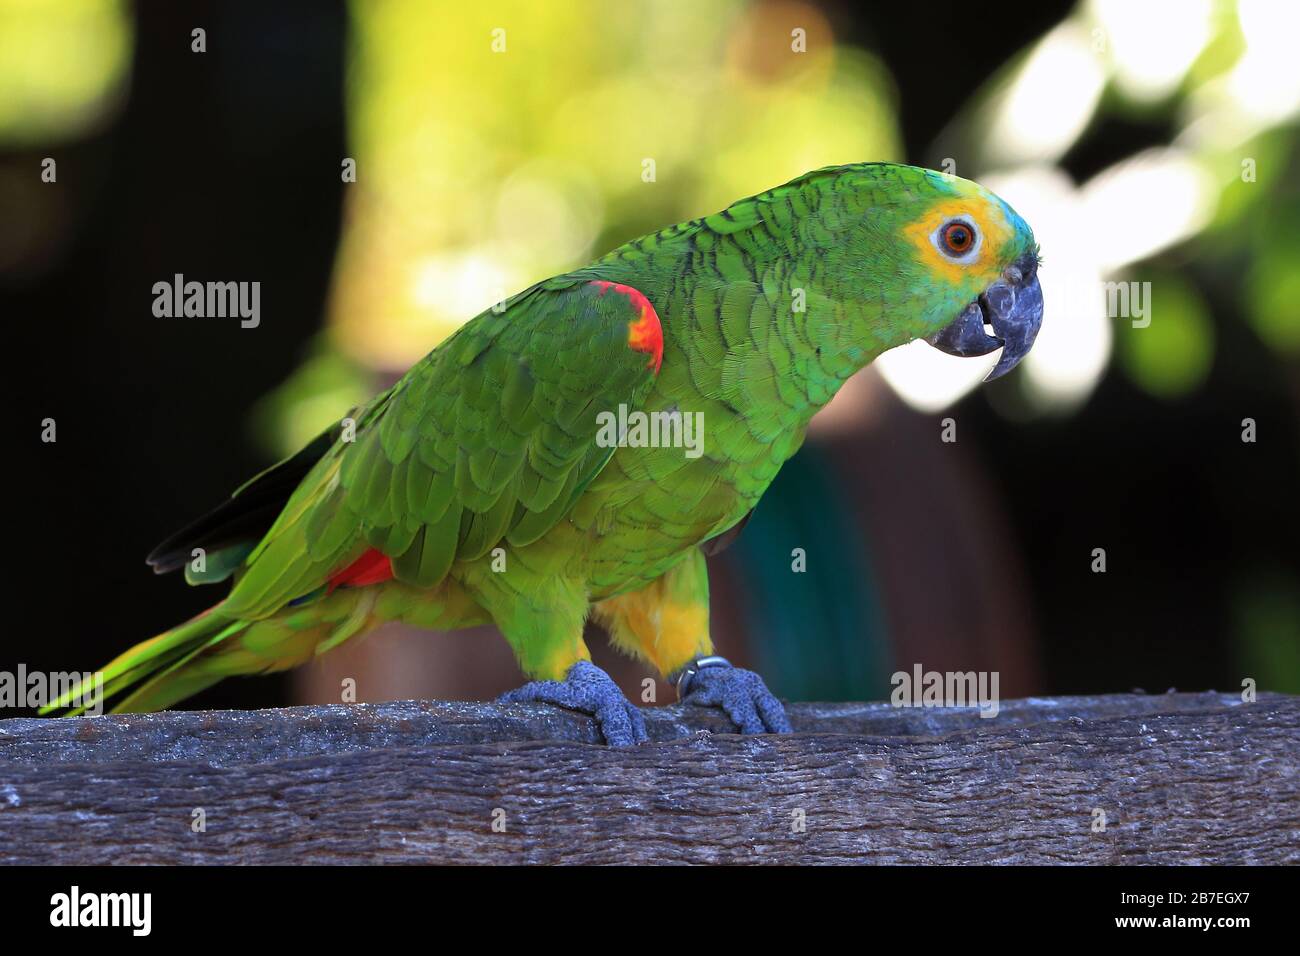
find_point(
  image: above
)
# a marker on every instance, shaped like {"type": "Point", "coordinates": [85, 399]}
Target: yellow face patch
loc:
{"type": "Point", "coordinates": [994, 232]}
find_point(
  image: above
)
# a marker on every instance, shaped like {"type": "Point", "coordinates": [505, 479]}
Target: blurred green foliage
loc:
{"type": "Point", "coordinates": [62, 66]}
{"type": "Point", "coordinates": [1172, 356]}
{"type": "Point", "coordinates": [1266, 620]}
{"type": "Point", "coordinates": [518, 140]}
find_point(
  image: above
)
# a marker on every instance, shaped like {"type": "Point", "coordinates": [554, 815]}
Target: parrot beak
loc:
{"type": "Point", "coordinates": [1012, 307]}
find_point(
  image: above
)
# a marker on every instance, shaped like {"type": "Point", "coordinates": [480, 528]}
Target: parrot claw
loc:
{"type": "Point", "coordinates": [588, 689]}
{"type": "Point", "coordinates": [714, 682]}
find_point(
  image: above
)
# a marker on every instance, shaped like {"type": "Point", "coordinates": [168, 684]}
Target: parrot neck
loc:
{"type": "Point", "coordinates": [759, 322]}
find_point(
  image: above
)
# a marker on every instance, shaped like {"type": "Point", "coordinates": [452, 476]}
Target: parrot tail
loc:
{"type": "Point", "coordinates": [154, 668]}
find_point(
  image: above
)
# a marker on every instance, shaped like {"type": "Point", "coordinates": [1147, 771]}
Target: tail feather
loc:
{"type": "Point", "coordinates": [169, 686]}
{"type": "Point", "coordinates": [155, 666]}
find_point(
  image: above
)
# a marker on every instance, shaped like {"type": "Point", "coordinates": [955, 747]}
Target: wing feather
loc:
{"type": "Point", "coordinates": [489, 438]}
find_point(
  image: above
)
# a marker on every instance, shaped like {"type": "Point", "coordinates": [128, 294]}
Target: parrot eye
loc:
{"type": "Point", "coordinates": [957, 239]}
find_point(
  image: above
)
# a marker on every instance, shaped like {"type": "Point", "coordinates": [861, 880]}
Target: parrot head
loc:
{"type": "Point", "coordinates": [966, 263]}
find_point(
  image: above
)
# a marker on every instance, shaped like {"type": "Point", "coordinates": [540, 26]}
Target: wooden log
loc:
{"type": "Point", "coordinates": [1174, 778]}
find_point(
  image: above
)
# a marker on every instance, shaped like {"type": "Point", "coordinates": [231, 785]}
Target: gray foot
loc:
{"type": "Point", "coordinates": [588, 689]}
{"type": "Point", "coordinates": [713, 682]}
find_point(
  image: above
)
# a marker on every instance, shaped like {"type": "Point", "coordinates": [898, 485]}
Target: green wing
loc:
{"type": "Point", "coordinates": [491, 436]}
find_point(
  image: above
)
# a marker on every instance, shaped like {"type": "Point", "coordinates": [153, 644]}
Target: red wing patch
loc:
{"type": "Point", "coordinates": [644, 333]}
{"type": "Point", "coordinates": [371, 568]}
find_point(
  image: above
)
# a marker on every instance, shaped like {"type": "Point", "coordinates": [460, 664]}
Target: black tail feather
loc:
{"type": "Point", "coordinates": [247, 515]}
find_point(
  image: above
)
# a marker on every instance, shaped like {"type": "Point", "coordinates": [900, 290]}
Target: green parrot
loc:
{"type": "Point", "coordinates": [579, 449]}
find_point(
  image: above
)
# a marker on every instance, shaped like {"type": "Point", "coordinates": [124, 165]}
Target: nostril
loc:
{"type": "Point", "coordinates": [1024, 268]}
